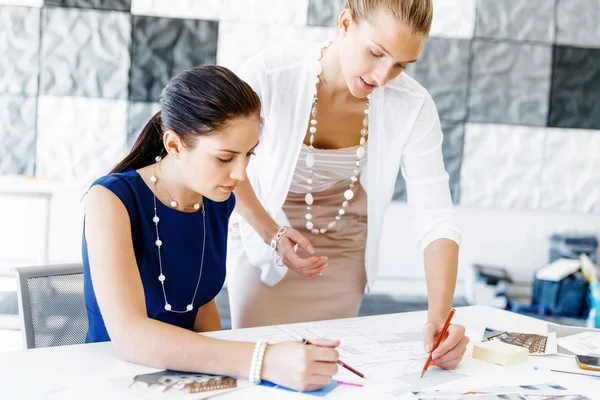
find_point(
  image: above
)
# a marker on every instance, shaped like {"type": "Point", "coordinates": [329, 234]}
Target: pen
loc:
{"type": "Point", "coordinates": [575, 373]}
{"type": "Point", "coordinates": [438, 341]}
{"type": "Point", "coordinates": [343, 364]}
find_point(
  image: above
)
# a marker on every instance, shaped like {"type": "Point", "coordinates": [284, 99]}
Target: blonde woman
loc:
{"type": "Point", "coordinates": [338, 125]}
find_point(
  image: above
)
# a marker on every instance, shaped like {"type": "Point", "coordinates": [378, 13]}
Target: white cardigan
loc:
{"type": "Point", "coordinates": [404, 132]}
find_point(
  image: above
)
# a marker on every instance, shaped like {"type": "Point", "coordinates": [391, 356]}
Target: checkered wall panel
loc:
{"type": "Point", "coordinates": [517, 84]}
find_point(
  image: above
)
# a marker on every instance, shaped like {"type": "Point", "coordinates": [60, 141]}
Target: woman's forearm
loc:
{"type": "Point", "coordinates": [156, 344]}
{"type": "Point", "coordinates": [441, 268]}
{"type": "Point", "coordinates": [250, 208]}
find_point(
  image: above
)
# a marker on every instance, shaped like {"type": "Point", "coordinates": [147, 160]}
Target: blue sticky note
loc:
{"type": "Point", "coordinates": [319, 393]}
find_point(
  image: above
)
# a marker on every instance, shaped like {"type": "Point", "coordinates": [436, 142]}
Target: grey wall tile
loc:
{"type": "Point", "coordinates": [502, 166]}
{"type": "Point", "coordinates": [85, 53]}
{"type": "Point", "coordinates": [117, 5]}
{"type": "Point", "coordinates": [575, 101]}
{"type": "Point", "coordinates": [163, 47]}
{"type": "Point", "coordinates": [265, 11]}
{"type": "Point", "coordinates": [510, 83]}
{"type": "Point", "coordinates": [17, 134]}
{"type": "Point", "coordinates": [516, 19]}
{"type": "Point", "coordinates": [571, 171]}
{"type": "Point", "coordinates": [453, 19]}
{"type": "Point", "coordinates": [190, 9]}
{"type": "Point", "coordinates": [577, 23]}
{"type": "Point", "coordinates": [442, 69]}
{"type": "Point", "coordinates": [239, 41]}
{"type": "Point", "coordinates": [138, 114]}
{"type": "Point", "coordinates": [324, 12]}
{"type": "Point", "coordinates": [79, 138]}
{"type": "Point", "coordinates": [19, 46]}
{"type": "Point", "coordinates": [452, 149]}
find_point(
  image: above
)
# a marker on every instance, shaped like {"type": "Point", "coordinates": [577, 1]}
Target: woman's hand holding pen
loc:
{"type": "Point", "coordinates": [451, 349]}
{"type": "Point", "coordinates": [308, 267]}
{"type": "Point", "coordinates": [301, 367]}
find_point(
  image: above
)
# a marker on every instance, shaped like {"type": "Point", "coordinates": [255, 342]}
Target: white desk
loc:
{"type": "Point", "coordinates": [86, 371]}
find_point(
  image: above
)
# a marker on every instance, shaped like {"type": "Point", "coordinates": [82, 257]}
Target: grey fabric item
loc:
{"type": "Point", "coordinates": [118, 5]}
{"type": "Point", "coordinates": [530, 20]}
{"type": "Point", "coordinates": [452, 149]}
{"type": "Point", "coordinates": [446, 78]}
{"type": "Point", "coordinates": [575, 101]}
{"type": "Point", "coordinates": [17, 134]}
{"type": "Point", "coordinates": [85, 53]}
{"type": "Point", "coordinates": [163, 47]}
{"type": "Point", "coordinates": [19, 45]}
{"type": "Point", "coordinates": [138, 114]}
{"type": "Point", "coordinates": [324, 12]}
{"type": "Point", "coordinates": [52, 305]}
{"type": "Point", "coordinates": [577, 23]}
{"type": "Point", "coordinates": [400, 189]}
{"type": "Point", "coordinates": [510, 83]}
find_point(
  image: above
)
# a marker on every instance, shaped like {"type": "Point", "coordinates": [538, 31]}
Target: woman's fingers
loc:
{"type": "Point", "coordinates": [305, 266]}
{"type": "Point", "coordinates": [455, 334]}
{"type": "Point", "coordinates": [451, 363]}
{"type": "Point", "coordinates": [300, 239]}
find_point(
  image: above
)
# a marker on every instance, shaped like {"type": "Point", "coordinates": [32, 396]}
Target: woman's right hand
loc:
{"type": "Point", "coordinates": [308, 267]}
{"type": "Point", "coordinates": [299, 366]}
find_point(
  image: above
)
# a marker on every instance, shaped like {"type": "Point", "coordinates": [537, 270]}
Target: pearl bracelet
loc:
{"type": "Point", "coordinates": [274, 242]}
{"type": "Point", "coordinates": [257, 362]}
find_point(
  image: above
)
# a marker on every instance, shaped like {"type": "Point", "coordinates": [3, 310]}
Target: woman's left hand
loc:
{"type": "Point", "coordinates": [452, 348]}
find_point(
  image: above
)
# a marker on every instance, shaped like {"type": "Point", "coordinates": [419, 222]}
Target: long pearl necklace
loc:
{"type": "Point", "coordinates": [158, 243]}
{"type": "Point", "coordinates": [310, 160]}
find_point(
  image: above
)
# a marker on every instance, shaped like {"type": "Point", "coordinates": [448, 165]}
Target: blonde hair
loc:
{"type": "Point", "coordinates": [418, 14]}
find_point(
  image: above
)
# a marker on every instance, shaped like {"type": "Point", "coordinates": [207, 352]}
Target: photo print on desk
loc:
{"type": "Point", "coordinates": [536, 344]}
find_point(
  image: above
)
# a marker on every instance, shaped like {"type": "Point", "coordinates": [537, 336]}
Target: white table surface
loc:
{"type": "Point", "coordinates": [87, 371]}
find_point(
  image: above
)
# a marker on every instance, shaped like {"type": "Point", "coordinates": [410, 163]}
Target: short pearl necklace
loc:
{"type": "Point", "coordinates": [310, 160]}
{"type": "Point", "coordinates": [172, 202]}
{"type": "Point", "coordinates": [161, 277]}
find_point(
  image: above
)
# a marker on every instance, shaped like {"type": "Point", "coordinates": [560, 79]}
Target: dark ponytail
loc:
{"type": "Point", "coordinates": [195, 102]}
{"type": "Point", "coordinates": [147, 146]}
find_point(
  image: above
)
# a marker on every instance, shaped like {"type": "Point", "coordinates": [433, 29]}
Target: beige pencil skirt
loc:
{"type": "Point", "coordinates": [336, 294]}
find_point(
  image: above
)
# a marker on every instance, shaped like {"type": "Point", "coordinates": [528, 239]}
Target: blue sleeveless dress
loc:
{"type": "Point", "coordinates": [181, 253]}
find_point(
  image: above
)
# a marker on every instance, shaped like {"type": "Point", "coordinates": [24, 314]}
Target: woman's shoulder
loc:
{"type": "Point", "coordinates": [224, 208]}
{"type": "Point", "coordinates": [406, 91]}
{"type": "Point", "coordinates": [124, 185]}
{"type": "Point", "coordinates": [118, 180]}
{"type": "Point", "coordinates": [405, 83]}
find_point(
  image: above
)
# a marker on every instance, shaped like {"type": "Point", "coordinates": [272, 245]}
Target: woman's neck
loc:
{"type": "Point", "coordinates": [333, 85]}
{"type": "Point", "coordinates": [170, 180]}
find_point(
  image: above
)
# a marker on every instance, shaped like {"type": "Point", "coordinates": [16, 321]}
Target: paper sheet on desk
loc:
{"type": "Point", "coordinates": [532, 391]}
{"type": "Point", "coordinates": [583, 343]}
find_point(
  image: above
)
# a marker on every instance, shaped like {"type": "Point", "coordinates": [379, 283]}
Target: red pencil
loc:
{"type": "Point", "coordinates": [438, 341]}
{"type": "Point", "coordinates": [343, 364]}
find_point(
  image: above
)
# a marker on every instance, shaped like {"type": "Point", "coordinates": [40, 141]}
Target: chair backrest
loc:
{"type": "Point", "coordinates": [52, 305]}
